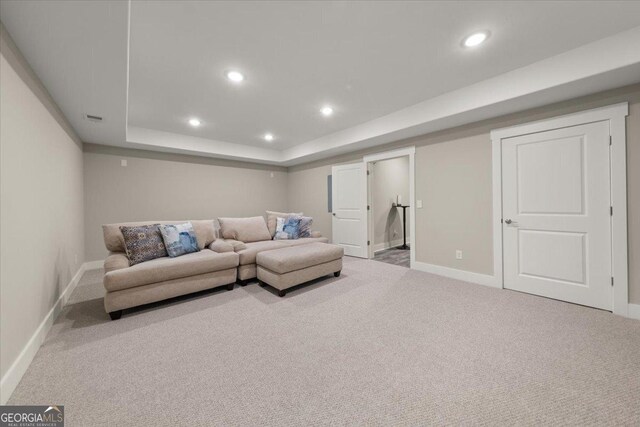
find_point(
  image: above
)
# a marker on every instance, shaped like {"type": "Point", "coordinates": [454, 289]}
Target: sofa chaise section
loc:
{"type": "Point", "coordinates": [248, 268]}
{"type": "Point", "coordinates": [252, 235]}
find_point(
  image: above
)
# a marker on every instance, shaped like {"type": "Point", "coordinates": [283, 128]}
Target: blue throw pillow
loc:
{"type": "Point", "coordinates": [179, 239]}
{"type": "Point", "coordinates": [290, 229]}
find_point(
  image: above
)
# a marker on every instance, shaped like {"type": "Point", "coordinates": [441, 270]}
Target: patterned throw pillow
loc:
{"type": "Point", "coordinates": [143, 243]}
{"type": "Point", "coordinates": [305, 226]}
{"type": "Point", "coordinates": [179, 239]}
{"type": "Point", "coordinates": [290, 229]}
{"type": "Point", "coordinates": [272, 218]}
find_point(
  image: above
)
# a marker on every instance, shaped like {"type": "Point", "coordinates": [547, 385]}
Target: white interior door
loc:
{"type": "Point", "coordinates": [349, 200]}
{"type": "Point", "coordinates": [556, 212]}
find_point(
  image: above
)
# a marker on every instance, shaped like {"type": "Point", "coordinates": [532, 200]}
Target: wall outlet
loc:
{"type": "Point", "coordinates": [123, 163]}
{"type": "Point", "coordinates": [419, 204]}
{"type": "Point", "coordinates": [458, 254]}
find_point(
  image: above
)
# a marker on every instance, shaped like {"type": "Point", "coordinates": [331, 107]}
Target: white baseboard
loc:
{"type": "Point", "coordinates": [487, 280]}
{"type": "Point", "coordinates": [386, 245]}
{"type": "Point", "coordinates": [467, 276]}
{"type": "Point", "coordinates": [93, 265]}
{"type": "Point", "coordinates": [13, 376]}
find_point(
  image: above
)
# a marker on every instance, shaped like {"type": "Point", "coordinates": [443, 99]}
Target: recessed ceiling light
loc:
{"type": "Point", "coordinates": [475, 39]}
{"type": "Point", "coordinates": [194, 122]}
{"type": "Point", "coordinates": [235, 76]}
{"type": "Point", "coordinates": [326, 111]}
{"type": "Point", "coordinates": [268, 137]}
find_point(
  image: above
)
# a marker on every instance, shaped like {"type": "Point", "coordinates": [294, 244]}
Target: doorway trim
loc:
{"type": "Point", "coordinates": [615, 115]}
{"type": "Point", "coordinates": [401, 152]}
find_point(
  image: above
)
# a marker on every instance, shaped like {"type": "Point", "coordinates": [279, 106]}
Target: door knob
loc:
{"type": "Point", "coordinates": [334, 214]}
{"type": "Point", "coordinates": [508, 221]}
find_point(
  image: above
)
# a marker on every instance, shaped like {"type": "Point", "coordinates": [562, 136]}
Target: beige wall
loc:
{"type": "Point", "coordinates": [387, 179]}
{"type": "Point", "coordinates": [41, 210]}
{"type": "Point", "coordinates": [308, 193]}
{"type": "Point", "coordinates": [453, 180]}
{"type": "Point", "coordinates": [158, 186]}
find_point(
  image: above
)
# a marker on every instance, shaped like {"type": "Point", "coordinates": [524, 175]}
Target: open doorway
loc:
{"type": "Point", "coordinates": [389, 213]}
{"type": "Point", "coordinates": [353, 207]}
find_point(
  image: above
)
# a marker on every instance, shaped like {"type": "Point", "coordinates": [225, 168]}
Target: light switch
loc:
{"type": "Point", "coordinates": [419, 204]}
{"type": "Point", "coordinates": [123, 163]}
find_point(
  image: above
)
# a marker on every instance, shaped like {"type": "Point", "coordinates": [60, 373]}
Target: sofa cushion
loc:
{"type": "Point", "coordinates": [179, 239]}
{"type": "Point", "coordinates": [272, 218]}
{"type": "Point", "coordinates": [143, 243]}
{"type": "Point", "coordinates": [305, 241]}
{"type": "Point", "coordinates": [253, 229]}
{"type": "Point", "coordinates": [237, 244]}
{"type": "Point", "coordinates": [163, 269]}
{"type": "Point", "coordinates": [248, 255]}
{"type": "Point", "coordinates": [221, 246]}
{"type": "Point", "coordinates": [113, 240]}
{"type": "Point", "coordinates": [296, 258]}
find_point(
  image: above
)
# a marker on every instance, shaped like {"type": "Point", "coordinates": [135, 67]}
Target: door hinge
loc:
{"type": "Point", "coordinates": [368, 242]}
{"type": "Point", "coordinates": [368, 173]}
{"type": "Point", "coordinates": [368, 207]}
{"type": "Point", "coordinates": [610, 140]}
{"type": "Point", "coordinates": [612, 281]}
{"type": "Point", "coordinates": [611, 210]}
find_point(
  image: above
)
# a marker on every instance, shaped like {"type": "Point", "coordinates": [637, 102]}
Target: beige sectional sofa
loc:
{"type": "Point", "coordinates": [223, 260]}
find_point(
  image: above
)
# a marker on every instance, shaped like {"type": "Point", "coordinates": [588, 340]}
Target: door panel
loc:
{"type": "Point", "coordinates": [542, 254]}
{"type": "Point", "coordinates": [559, 189]}
{"type": "Point", "coordinates": [557, 225]}
{"type": "Point", "coordinates": [349, 223]}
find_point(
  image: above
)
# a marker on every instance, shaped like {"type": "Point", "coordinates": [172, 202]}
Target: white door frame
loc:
{"type": "Point", "coordinates": [411, 152]}
{"type": "Point", "coordinates": [615, 115]}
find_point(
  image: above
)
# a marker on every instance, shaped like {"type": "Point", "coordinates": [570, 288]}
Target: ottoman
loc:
{"type": "Point", "coordinates": [291, 266]}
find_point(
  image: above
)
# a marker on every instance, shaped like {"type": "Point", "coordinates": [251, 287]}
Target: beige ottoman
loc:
{"type": "Point", "coordinates": [292, 266]}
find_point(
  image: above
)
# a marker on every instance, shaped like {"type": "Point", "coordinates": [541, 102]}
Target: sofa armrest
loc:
{"type": "Point", "coordinates": [220, 246]}
{"type": "Point", "coordinates": [316, 234]}
{"type": "Point", "coordinates": [237, 244]}
{"type": "Point", "coordinates": [116, 261]}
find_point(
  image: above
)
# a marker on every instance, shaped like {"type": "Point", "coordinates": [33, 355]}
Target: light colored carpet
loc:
{"type": "Point", "coordinates": [379, 345]}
